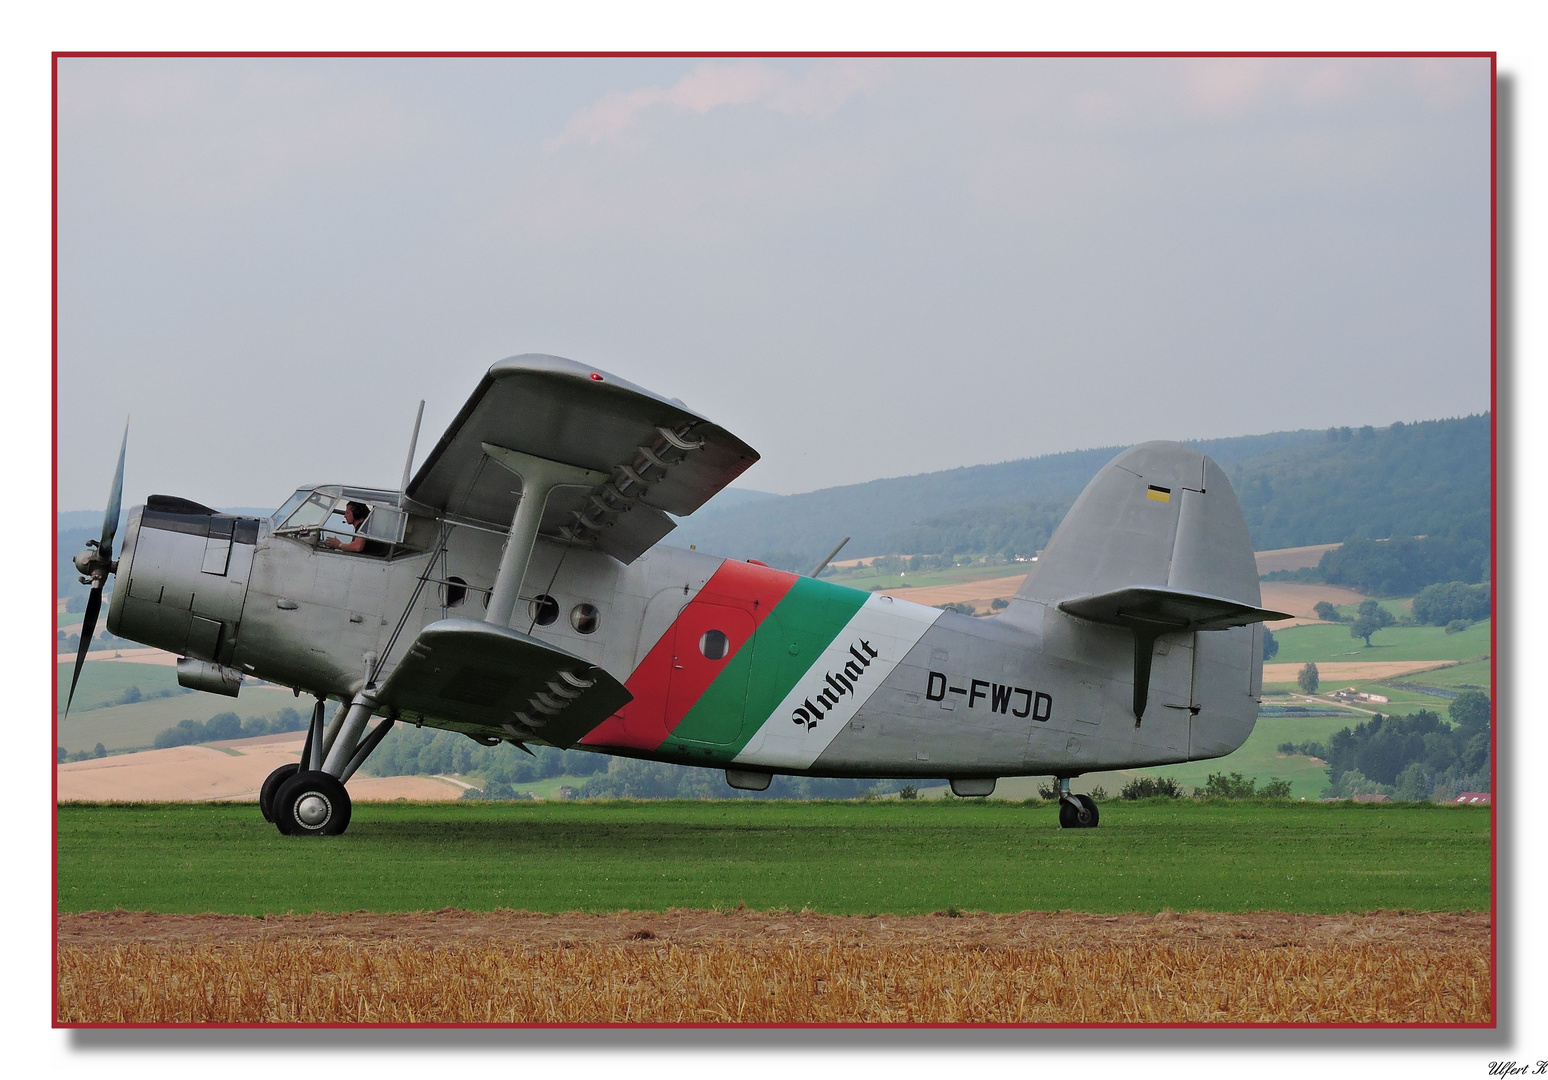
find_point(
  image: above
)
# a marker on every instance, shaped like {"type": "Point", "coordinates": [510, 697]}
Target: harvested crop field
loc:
{"type": "Point", "coordinates": [231, 770]}
{"type": "Point", "coordinates": [1302, 600]}
{"type": "Point", "coordinates": [1291, 558]}
{"type": "Point", "coordinates": [978, 593]}
{"type": "Point", "coordinates": [695, 966]}
{"type": "Point", "coordinates": [1339, 672]}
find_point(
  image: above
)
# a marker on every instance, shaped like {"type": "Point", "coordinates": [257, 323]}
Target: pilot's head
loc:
{"type": "Point", "coordinates": [356, 512]}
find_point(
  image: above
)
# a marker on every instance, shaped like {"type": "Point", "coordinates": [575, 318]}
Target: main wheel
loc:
{"type": "Point", "coordinates": [311, 804]}
{"type": "Point", "coordinates": [1081, 814]}
{"type": "Point", "coordinates": [271, 784]}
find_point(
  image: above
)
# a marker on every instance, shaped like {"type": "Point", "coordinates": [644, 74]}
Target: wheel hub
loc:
{"type": "Point", "coordinates": [313, 810]}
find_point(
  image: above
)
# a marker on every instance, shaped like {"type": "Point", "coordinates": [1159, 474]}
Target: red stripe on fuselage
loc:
{"type": "Point", "coordinates": [646, 721]}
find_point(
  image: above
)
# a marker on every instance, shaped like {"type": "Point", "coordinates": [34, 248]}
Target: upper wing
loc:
{"type": "Point", "coordinates": [490, 680]}
{"type": "Point", "coordinates": [663, 457]}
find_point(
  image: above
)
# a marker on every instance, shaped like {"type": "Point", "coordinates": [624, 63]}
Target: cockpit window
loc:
{"type": "Point", "coordinates": [350, 523]}
{"type": "Point", "coordinates": [311, 513]}
{"type": "Point", "coordinates": [290, 505]}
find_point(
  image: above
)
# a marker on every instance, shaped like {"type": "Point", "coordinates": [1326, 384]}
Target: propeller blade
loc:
{"type": "Point", "coordinates": [88, 627]}
{"type": "Point", "coordinates": [115, 501]}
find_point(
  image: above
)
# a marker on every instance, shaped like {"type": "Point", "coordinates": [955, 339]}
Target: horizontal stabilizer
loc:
{"type": "Point", "coordinates": [1168, 609]}
{"type": "Point", "coordinates": [1150, 611]}
{"type": "Point", "coordinates": [490, 680]}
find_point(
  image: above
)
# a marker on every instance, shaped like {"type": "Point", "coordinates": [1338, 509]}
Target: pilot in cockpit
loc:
{"type": "Point", "coordinates": [355, 514]}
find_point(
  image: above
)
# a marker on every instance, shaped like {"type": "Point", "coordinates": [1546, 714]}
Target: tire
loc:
{"type": "Point", "coordinates": [271, 786]}
{"type": "Point", "coordinates": [1083, 816]}
{"type": "Point", "coordinates": [312, 804]}
{"type": "Point", "coordinates": [1067, 816]}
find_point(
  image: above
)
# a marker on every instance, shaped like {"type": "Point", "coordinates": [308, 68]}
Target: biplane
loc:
{"type": "Point", "coordinates": [515, 589]}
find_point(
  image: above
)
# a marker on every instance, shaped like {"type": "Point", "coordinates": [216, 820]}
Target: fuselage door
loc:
{"type": "Point", "coordinates": [711, 661]}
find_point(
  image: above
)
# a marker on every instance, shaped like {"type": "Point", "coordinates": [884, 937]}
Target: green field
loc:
{"type": "Point", "coordinates": [850, 858]}
{"type": "Point", "coordinates": [957, 575]}
{"type": "Point", "coordinates": [1259, 758]}
{"type": "Point", "coordinates": [1331, 642]}
{"type": "Point", "coordinates": [130, 727]}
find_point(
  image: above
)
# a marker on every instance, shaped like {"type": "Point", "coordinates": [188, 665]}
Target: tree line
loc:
{"type": "Point", "coordinates": [1414, 758]}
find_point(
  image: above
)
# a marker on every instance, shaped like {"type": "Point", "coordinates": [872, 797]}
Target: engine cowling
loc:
{"type": "Point", "coordinates": [182, 578]}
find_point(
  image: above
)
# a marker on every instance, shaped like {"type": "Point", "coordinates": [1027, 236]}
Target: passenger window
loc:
{"type": "Point", "coordinates": [585, 618]}
{"type": "Point", "coordinates": [454, 592]}
{"type": "Point", "coordinates": [714, 645]}
{"type": "Point", "coordinates": [544, 609]}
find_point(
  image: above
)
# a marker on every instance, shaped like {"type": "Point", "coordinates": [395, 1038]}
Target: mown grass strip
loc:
{"type": "Point", "coordinates": [843, 858]}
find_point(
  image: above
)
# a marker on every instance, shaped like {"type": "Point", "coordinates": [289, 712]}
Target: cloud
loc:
{"type": "Point", "coordinates": [227, 132]}
{"type": "Point", "coordinates": [819, 92]}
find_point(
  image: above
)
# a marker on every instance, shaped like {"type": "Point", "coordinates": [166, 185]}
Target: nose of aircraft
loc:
{"type": "Point", "coordinates": [182, 578]}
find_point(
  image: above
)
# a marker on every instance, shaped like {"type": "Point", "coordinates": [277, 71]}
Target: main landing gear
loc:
{"type": "Point", "coordinates": [1076, 811]}
{"type": "Point", "coordinates": [308, 798]}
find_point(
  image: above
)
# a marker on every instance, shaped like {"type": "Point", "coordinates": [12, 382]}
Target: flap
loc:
{"type": "Point", "coordinates": [1176, 609]}
{"type": "Point", "coordinates": [662, 457]}
{"type": "Point", "coordinates": [485, 679]}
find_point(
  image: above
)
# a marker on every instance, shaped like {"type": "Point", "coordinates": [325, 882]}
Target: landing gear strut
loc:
{"type": "Point", "coordinates": [1076, 811]}
{"type": "Point", "coordinates": [308, 798]}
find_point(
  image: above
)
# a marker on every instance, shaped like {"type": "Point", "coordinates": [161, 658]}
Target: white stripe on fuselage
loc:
{"type": "Point", "coordinates": [831, 692]}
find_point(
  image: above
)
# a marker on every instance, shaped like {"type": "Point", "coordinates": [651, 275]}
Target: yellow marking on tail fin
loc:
{"type": "Point", "coordinates": [1160, 494]}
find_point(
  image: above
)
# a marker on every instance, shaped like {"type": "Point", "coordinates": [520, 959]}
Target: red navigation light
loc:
{"type": "Point", "coordinates": [595, 377]}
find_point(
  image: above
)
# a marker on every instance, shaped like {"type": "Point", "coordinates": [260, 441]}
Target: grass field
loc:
{"type": "Point", "coordinates": [842, 858]}
{"type": "Point", "coordinates": [957, 575]}
{"type": "Point", "coordinates": [131, 727]}
{"type": "Point", "coordinates": [103, 681]}
{"type": "Point", "coordinates": [1469, 676]}
{"type": "Point", "coordinates": [1331, 641]}
{"type": "Point", "coordinates": [1258, 758]}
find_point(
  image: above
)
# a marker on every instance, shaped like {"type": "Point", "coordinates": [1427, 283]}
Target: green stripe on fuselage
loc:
{"type": "Point", "coordinates": [764, 670]}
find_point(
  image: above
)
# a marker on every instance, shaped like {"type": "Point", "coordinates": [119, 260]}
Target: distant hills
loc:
{"type": "Point", "coordinates": [1296, 488]}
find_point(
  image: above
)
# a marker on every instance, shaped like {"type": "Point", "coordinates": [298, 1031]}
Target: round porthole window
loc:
{"type": "Point", "coordinates": [454, 592]}
{"type": "Point", "coordinates": [585, 618]}
{"type": "Point", "coordinates": [714, 645]}
{"type": "Point", "coordinates": [544, 609]}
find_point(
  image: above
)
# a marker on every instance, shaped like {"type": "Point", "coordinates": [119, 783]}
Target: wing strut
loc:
{"type": "Point", "coordinates": [538, 477]}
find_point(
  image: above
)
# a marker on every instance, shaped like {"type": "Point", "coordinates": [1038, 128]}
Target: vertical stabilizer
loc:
{"type": "Point", "coordinates": [1157, 545]}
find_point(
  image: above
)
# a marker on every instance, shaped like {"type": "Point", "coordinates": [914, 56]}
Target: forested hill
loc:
{"type": "Point", "coordinates": [1298, 487]}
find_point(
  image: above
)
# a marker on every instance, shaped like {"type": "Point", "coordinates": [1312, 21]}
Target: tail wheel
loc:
{"type": "Point", "coordinates": [271, 786]}
{"type": "Point", "coordinates": [1078, 812]}
{"type": "Point", "coordinates": [311, 804]}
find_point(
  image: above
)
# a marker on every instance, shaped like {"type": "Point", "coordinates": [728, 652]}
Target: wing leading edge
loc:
{"type": "Point", "coordinates": [660, 456]}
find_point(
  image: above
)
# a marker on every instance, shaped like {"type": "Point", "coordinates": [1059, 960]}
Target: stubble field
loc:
{"type": "Point", "coordinates": [745, 912]}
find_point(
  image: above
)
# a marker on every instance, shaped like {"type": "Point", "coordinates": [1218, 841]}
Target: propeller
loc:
{"type": "Point", "coordinates": [95, 562]}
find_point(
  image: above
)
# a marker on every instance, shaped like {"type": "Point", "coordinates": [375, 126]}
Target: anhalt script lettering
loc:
{"type": "Point", "coordinates": [836, 686]}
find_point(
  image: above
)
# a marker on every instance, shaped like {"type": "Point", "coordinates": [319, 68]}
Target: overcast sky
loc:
{"type": "Point", "coordinates": [863, 267]}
